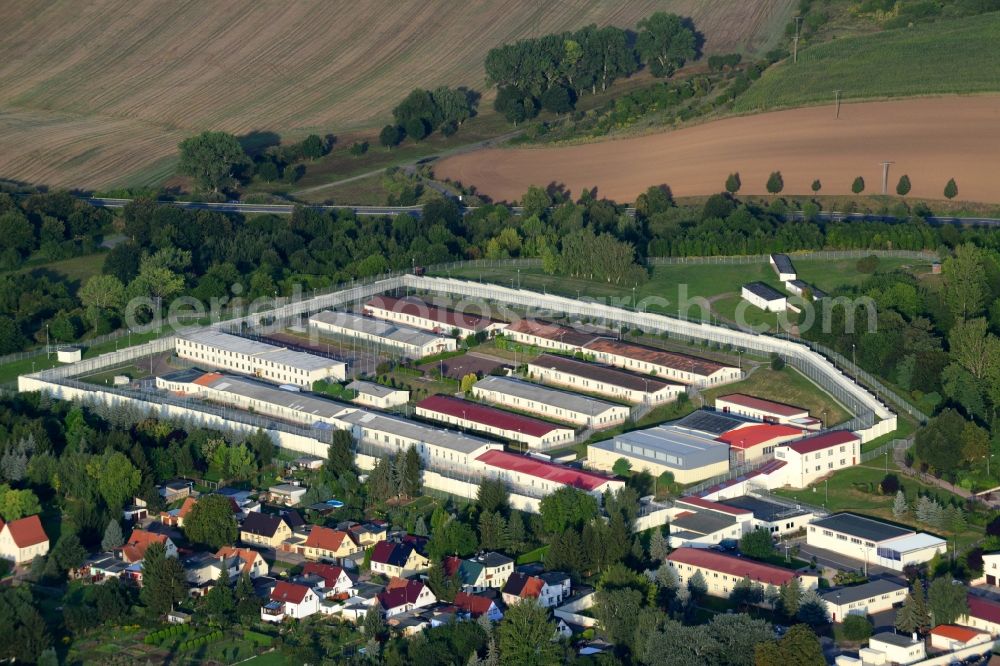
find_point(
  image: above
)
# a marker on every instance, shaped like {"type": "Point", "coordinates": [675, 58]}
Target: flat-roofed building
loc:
{"type": "Point", "coordinates": [534, 433]}
{"type": "Point", "coordinates": [699, 523]}
{"type": "Point", "coordinates": [783, 266]}
{"type": "Point", "coordinates": [866, 599]}
{"type": "Point", "coordinates": [410, 342]}
{"type": "Point", "coordinates": [259, 359]}
{"type": "Point", "coordinates": [542, 475]}
{"type": "Point", "coordinates": [894, 649]}
{"type": "Point", "coordinates": [438, 447]}
{"type": "Point", "coordinates": [548, 335]}
{"type": "Point", "coordinates": [668, 365]}
{"type": "Point", "coordinates": [757, 440]}
{"type": "Point", "coordinates": [690, 455]}
{"type": "Point", "coordinates": [724, 572]}
{"type": "Point", "coordinates": [775, 517]}
{"type": "Point", "coordinates": [411, 311]}
{"type": "Point", "coordinates": [549, 402]}
{"type": "Point", "coordinates": [603, 379]}
{"type": "Point", "coordinates": [378, 396]}
{"type": "Point", "coordinates": [801, 288]}
{"type": "Point", "coordinates": [764, 296]}
{"type": "Point", "coordinates": [293, 406]}
{"type": "Point", "coordinates": [811, 458]}
{"type": "Point", "coordinates": [767, 411]}
{"type": "Point", "coordinates": [873, 541]}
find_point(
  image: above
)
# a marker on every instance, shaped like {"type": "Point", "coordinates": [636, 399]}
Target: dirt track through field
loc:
{"type": "Point", "coordinates": [931, 140]}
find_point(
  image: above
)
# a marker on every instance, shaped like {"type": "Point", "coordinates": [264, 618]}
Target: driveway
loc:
{"type": "Point", "coordinates": [838, 561]}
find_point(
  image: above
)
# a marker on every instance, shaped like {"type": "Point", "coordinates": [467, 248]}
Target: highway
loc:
{"type": "Point", "coordinates": [286, 209]}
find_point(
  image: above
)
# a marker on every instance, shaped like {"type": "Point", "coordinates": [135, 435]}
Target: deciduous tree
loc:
{"type": "Point", "coordinates": [210, 522]}
{"type": "Point", "coordinates": [665, 43]}
{"type": "Point", "coordinates": [525, 636]}
{"type": "Point", "coordinates": [212, 159]}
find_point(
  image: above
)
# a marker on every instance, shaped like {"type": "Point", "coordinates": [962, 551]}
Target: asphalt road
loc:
{"type": "Point", "coordinates": [286, 209]}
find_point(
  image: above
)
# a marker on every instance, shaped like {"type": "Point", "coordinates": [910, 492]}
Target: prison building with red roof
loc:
{"type": "Point", "coordinates": [757, 440]}
{"type": "Point", "coordinates": [603, 379]}
{"type": "Point", "coordinates": [541, 475]}
{"type": "Point", "coordinates": [551, 403]}
{"type": "Point", "coordinates": [811, 458]}
{"type": "Point", "coordinates": [534, 433]}
{"type": "Point", "coordinates": [767, 411]}
{"type": "Point", "coordinates": [412, 311]}
{"type": "Point", "coordinates": [548, 335]}
{"type": "Point", "coordinates": [723, 572]}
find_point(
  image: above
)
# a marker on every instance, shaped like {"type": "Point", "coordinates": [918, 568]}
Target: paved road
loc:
{"type": "Point", "coordinates": [286, 209]}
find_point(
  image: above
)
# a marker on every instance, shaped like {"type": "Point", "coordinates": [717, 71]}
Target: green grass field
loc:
{"type": "Point", "coordinates": [957, 56]}
{"type": "Point", "coordinates": [670, 287]}
{"type": "Point", "coordinates": [786, 385]}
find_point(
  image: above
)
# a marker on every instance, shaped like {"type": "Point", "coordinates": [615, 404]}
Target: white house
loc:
{"type": "Point", "coordinates": [287, 494]}
{"type": "Point", "coordinates": [896, 648]}
{"type": "Point", "coordinates": [378, 396]}
{"type": "Point", "coordinates": [764, 296]}
{"type": "Point", "coordinates": [549, 589]}
{"type": "Point", "coordinates": [811, 458]}
{"type": "Point", "coordinates": [336, 581]}
{"type": "Point", "coordinates": [866, 599]}
{"type": "Point", "coordinates": [402, 595]}
{"type": "Point", "coordinates": [260, 359]}
{"type": "Point", "coordinates": [22, 540]}
{"type": "Point", "coordinates": [289, 600]}
{"type": "Point", "coordinates": [872, 541]}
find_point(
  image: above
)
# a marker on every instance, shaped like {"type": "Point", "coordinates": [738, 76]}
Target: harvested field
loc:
{"type": "Point", "coordinates": [931, 140]}
{"type": "Point", "coordinates": [111, 85]}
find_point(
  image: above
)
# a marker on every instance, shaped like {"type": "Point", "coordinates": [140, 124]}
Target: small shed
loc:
{"type": "Point", "coordinates": [178, 617]}
{"type": "Point", "coordinates": [69, 354]}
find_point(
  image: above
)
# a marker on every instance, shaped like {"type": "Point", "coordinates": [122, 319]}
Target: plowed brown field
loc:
{"type": "Point", "coordinates": [930, 139]}
{"type": "Point", "coordinates": [87, 87]}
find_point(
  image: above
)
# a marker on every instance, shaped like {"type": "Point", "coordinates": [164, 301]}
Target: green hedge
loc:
{"type": "Point", "coordinates": [196, 643]}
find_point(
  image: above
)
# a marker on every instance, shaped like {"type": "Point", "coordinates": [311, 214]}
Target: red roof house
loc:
{"type": "Point", "coordinates": [134, 549]}
{"type": "Point", "coordinates": [476, 605]}
{"type": "Point", "coordinates": [823, 440]}
{"type": "Point", "coordinates": [23, 539]}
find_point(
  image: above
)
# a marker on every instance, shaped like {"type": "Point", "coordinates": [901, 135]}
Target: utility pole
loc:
{"type": "Point", "coordinates": [837, 100]}
{"type": "Point", "coordinates": [885, 177]}
{"type": "Point", "coordinates": [795, 43]}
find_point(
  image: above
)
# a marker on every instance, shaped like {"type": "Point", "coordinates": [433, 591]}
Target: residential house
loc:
{"type": "Point", "coordinates": [134, 549]}
{"type": "Point", "coordinates": [289, 600]}
{"type": "Point", "coordinates": [336, 581]}
{"type": "Point", "coordinates": [175, 517]}
{"type": "Point", "coordinates": [477, 605]}
{"type": "Point", "coordinates": [263, 529]}
{"type": "Point", "coordinates": [286, 494]}
{"type": "Point", "coordinates": [324, 543]}
{"type": "Point", "coordinates": [203, 569]}
{"type": "Point", "coordinates": [548, 589]}
{"type": "Point", "coordinates": [364, 534]}
{"type": "Point", "coordinates": [485, 571]}
{"type": "Point", "coordinates": [398, 559]}
{"type": "Point", "coordinates": [252, 563]}
{"type": "Point", "coordinates": [23, 539]}
{"type": "Point", "coordinates": [402, 595]}
{"type": "Point", "coordinates": [101, 567]}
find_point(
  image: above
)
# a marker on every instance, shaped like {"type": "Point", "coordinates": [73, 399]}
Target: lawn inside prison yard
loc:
{"type": "Point", "coordinates": [718, 283]}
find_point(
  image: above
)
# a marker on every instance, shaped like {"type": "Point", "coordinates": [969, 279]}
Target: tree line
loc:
{"type": "Point", "coordinates": [553, 71]}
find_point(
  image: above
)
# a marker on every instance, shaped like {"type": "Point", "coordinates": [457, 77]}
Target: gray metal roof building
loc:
{"type": "Point", "coordinates": [264, 351]}
{"type": "Point", "coordinates": [402, 335]}
{"type": "Point", "coordinates": [372, 388]}
{"type": "Point", "coordinates": [304, 403]}
{"type": "Point", "coordinates": [855, 593]}
{"type": "Point", "coordinates": [412, 430]}
{"type": "Point", "coordinates": [765, 291]}
{"type": "Point", "coordinates": [670, 444]}
{"type": "Point", "coordinates": [572, 402]}
{"type": "Point", "coordinates": [763, 510]}
{"type": "Point", "coordinates": [861, 527]}
{"type": "Point", "coordinates": [782, 263]}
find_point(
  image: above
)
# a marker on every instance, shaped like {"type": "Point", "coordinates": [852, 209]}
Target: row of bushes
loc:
{"type": "Point", "coordinates": [158, 637]}
{"type": "Point", "coordinates": [195, 643]}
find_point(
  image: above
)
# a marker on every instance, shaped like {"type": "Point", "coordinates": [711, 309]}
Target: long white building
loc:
{"type": "Point", "coordinates": [549, 402]}
{"type": "Point", "coordinates": [873, 541]}
{"type": "Point", "coordinates": [411, 342]}
{"type": "Point", "coordinates": [411, 311]}
{"type": "Point", "coordinates": [602, 379]}
{"type": "Point", "coordinates": [259, 359]}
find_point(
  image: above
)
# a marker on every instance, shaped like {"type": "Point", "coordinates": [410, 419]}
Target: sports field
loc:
{"type": "Point", "coordinates": [99, 93]}
{"type": "Point", "coordinates": [930, 139]}
{"type": "Point", "coordinates": [956, 56]}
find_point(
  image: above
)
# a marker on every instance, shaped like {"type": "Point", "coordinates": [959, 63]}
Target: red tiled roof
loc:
{"type": "Point", "coordinates": [824, 440]}
{"type": "Point", "coordinates": [186, 507]}
{"type": "Point", "coordinates": [713, 506]}
{"type": "Point", "coordinates": [247, 555]}
{"type": "Point", "coordinates": [956, 633]}
{"type": "Point", "coordinates": [541, 469]}
{"type": "Point", "coordinates": [207, 378]}
{"type": "Point", "coordinates": [451, 564]}
{"type": "Point", "coordinates": [549, 331]}
{"type": "Point", "coordinates": [769, 406]}
{"type": "Point", "coordinates": [757, 434]}
{"type": "Point", "coordinates": [325, 538]}
{"type": "Point", "coordinates": [473, 604]}
{"type": "Point", "coordinates": [383, 551]}
{"type": "Point", "coordinates": [415, 307]}
{"type": "Point", "coordinates": [329, 573]}
{"type": "Point", "coordinates": [734, 566]}
{"type": "Point", "coordinates": [289, 592]}
{"type": "Point", "coordinates": [135, 549]}
{"type": "Point", "coordinates": [681, 362]}
{"type": "Point", "coordinates": [26, 531]}
{"type": "Point", "coordinates": [984, 609]}
{"type": "Point", "coordinates": [489, 416]}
